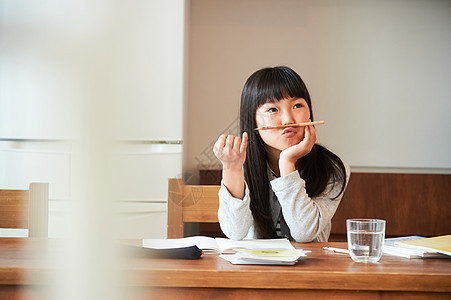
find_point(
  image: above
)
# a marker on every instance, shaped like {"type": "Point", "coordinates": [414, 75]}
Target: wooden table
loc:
{"type": "Point", "coordinates": [322, 274]}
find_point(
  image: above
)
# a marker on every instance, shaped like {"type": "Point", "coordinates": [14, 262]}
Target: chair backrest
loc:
{"type": "Point", "coordinates": [27, 209]}
{"type": "Point", "coordinates": [190, 203]}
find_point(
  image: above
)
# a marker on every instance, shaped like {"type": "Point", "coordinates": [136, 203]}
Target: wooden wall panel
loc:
{"type": "Point", "coordinates": [412, 204]}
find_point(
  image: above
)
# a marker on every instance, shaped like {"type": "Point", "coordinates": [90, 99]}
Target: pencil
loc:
{"type": "Point", "coordinates": [338, 250]}
{"type": "Point", "coordinates": [290, 125]}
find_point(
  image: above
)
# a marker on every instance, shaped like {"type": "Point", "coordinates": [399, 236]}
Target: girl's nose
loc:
{"type": "Point", "coordinates": [287, 118]}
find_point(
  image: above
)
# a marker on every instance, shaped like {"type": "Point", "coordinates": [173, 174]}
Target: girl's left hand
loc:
{"type": "Point", "coordinates": [289, 156]}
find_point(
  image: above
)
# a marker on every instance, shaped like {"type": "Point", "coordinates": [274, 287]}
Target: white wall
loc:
{"type": "Point", "coordinates": [378, 73]}
{"type": "Point", "coordinates": [55, 54]}
{"type": "Point", "coordinates": [75, 70]}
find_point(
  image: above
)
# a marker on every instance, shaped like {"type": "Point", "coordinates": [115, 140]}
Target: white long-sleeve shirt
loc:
{"type": "Point", "coordinates": [309, 219]}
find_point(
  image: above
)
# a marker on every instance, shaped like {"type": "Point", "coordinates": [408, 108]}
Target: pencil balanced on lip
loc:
{"type": "Point", "coordinates": [290, 125]}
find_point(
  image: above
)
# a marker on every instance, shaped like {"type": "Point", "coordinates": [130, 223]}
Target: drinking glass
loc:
{"type": "Point", "coordinates": [365, 239]}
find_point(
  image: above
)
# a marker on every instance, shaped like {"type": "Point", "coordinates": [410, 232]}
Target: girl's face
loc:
{"type": "Point", "coordinates": [283, 112]}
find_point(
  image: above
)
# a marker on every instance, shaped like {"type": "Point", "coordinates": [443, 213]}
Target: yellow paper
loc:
{"type": "Point", "coordinates": [441, 244]}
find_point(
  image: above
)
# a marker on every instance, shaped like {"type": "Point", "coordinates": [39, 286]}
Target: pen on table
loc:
{"type": "Point", "coordinates": [336, 250]}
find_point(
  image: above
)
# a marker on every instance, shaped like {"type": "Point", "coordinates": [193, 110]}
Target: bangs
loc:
{"type": "Point", "coordinates": [279, 84]}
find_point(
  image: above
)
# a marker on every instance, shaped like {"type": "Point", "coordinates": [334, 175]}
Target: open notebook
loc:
{"type": "Point", "coordinates": [217, 245]}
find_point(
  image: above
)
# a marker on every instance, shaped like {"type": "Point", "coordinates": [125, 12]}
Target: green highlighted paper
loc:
{"type": "Point", "coordinates": [271, 252]}
{"type": "Point", "coordinates": [269, 256]}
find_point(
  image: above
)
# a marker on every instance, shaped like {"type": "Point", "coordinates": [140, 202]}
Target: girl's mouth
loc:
{"type": "Point", "coordinates": [288, 132]}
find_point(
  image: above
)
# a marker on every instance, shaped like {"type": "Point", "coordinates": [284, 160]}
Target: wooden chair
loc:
{"type": "Point", "coordinates": [190, 203]}
{"type": "Point", "coordinates": [26, 209]}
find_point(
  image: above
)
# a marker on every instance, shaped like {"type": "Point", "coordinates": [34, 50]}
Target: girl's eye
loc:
{"type": "Point", "coordinates": [272, 109]}
{"type": "Point", "coordinates": [297, 105]}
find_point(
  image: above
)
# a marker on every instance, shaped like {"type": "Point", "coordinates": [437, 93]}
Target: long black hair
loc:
{"type": "Point", "coordinates": [317, 168]}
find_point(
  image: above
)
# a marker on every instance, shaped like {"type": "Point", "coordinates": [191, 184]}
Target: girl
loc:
{"type": "Point", "coordinates": [280, 183]}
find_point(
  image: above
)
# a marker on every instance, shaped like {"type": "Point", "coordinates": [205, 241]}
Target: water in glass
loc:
{"type": "Point", "coordinates": [365, 245]}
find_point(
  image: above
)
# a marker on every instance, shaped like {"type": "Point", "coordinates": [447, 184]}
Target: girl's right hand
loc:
{"type": "Point", "coordinates": [231, 151]}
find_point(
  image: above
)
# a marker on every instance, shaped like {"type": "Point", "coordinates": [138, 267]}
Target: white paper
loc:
{"type": "Point", "coordinates": [218, 245]}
